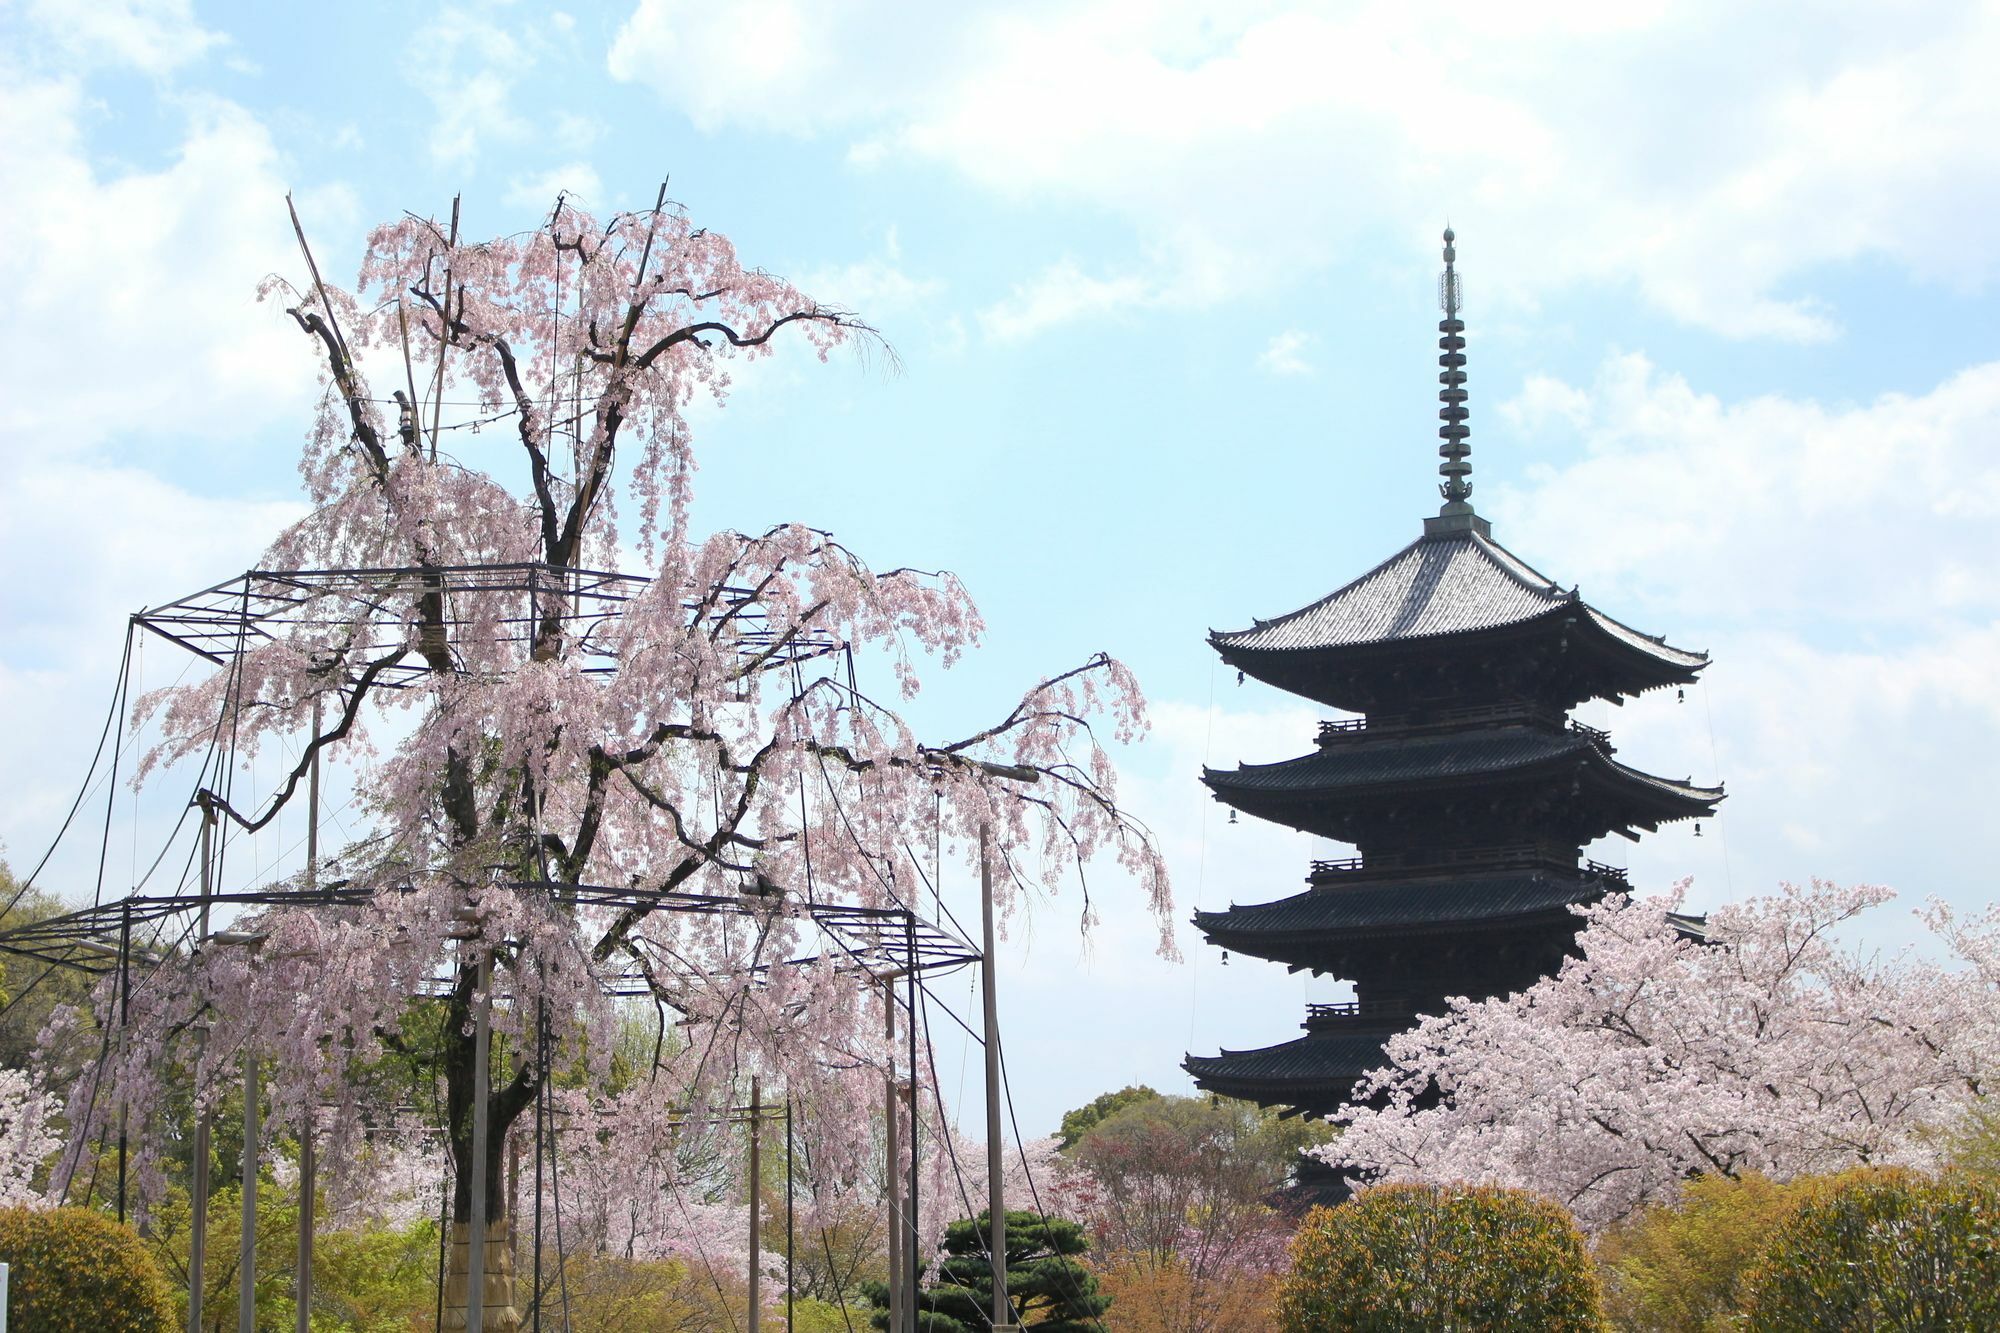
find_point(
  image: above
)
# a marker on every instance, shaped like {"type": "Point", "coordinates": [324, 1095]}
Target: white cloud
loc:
{"type": "Point", "coordinates": [1270, 139]}
{"type": "Point", "coordinates": [1837, 563]}
{"type": "Point", "coordinates": [578, 180]}
{"type": "Point", "coordinates": [1285, 354]}
{"type": "Point", "coordinates": [1772, 510]}
{"type": "Point", "coordinates": [132, 294]}
{"type": "Point", "coordinates": [152, 36]}
{"type": "Point", "coordinates": [1059, 294]}
{"type": "Point", "coordinates": [467, 67]}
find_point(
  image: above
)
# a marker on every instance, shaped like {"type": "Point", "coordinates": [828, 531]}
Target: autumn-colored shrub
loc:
{"type": "Point", "coordinates": [77, 1271]}
{"type": "Point", "coordinates": [1418, 1257]}
{"type": "Point", "coordinates": [1882, 1249]}
{"type": "Point", "coordinates": [1678, 1269]}
{"type": "Point", "coordinates": [1152, 1295]}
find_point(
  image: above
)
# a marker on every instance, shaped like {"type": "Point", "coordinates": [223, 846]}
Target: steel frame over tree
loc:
{"type": "Point", "coordinates": [573, 720]}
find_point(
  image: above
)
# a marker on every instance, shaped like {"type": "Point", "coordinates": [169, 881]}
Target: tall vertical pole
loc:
{"type": "Point", "coordinates": [914, 1273]}
{"type": "Point", "coordinates": [895, 1164]}
{"type": "Point", "coordinates": [756, 1205]}
{"type": "Point", "coordinates": [541, 1097]}
{"type": "Point", "coordinates": [308, 1157]}
{"type": "Point", "coordinates": [482, 1043]}
{"type": "Point", "coordinates": [246, 1252]}
{"type": "Point", "coordinates": [124, 1021]}
{"type": "Point", "coordinates": [198, 1204]}
{"type": "Point", "coordinates": [791, 1317]}
{"type": "Point", "coordinates": [996, 1213]}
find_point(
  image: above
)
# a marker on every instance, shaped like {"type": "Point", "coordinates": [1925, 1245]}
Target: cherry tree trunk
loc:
{"type": "Point", "coordinates": [499, 1314]}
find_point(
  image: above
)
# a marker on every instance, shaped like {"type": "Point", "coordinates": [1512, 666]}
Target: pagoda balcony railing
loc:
{"type": "Point", "coordinates": [1553, 856]}
{"type": "Point", "coordinates": [1345, 1012]}
{"type": "Point", "coordinates": [1602, 737]}
{"type": "Point", "coordinates": [1602, 871]}
{"type": "Point", "coordinates": [1457, 717]}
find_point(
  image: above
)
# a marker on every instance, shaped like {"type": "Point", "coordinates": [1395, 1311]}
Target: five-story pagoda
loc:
{"type": "Point", "coordinates": [1463, 784]}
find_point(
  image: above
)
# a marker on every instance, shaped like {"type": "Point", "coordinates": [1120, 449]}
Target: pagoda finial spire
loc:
{"type": "Point", "coordinates": [1455, 470]}
{"type": "Point", "coordinates": [1456, 514]}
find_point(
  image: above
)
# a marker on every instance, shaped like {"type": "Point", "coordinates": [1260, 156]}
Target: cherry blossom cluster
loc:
{"type": "Point", "coordinates": [1650, 1056]}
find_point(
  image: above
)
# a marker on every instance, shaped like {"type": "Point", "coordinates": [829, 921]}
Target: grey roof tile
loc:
{"type": "Point", "coordinates": [1437, 585]}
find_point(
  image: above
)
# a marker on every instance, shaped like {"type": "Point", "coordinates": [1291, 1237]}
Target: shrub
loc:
{"type": "Point", "coordinates": [74, 1269]}
{"type": "Point", "coordinates": [1418, 1257]}
{"type": "Point", "coordinates": [1679, 1269]}
{"type": "Point", "coordinates": [1882, 1249]}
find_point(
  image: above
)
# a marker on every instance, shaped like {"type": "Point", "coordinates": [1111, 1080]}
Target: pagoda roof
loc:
{"type": "Point", "coordinates": [1318, 1069]}
{"type": "Point", "coordinates": [1442, 584]}
{"type": "Point", "coordinates": [1401, 760]}
{"type": "Point", "coordinates": [1486, 899]}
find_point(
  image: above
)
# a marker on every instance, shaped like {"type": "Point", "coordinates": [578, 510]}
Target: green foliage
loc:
{"type": "Point", "coordinates": [1974, 1145]}
{"type": "Point", "coordinates": [1419, 1259]}
{"type": "Point", "coordinates": [1679, 1269]}
{"type": "Point", "coordinates": [1047, 1286]}
{"type": "Point", "coordinates": [1077, 1123]}
{"type": "Point", "coordinates": [1882, 1249]}
{"type": "Point", "coordinates": [77, 1271]}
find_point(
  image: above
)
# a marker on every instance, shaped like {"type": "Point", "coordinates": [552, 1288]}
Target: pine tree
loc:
{"type": "Point", "coordinates": [1049, 1289]}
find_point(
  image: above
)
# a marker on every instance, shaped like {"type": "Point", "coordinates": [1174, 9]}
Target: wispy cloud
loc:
{"type": "Point", "coordinates": [1285, 354]}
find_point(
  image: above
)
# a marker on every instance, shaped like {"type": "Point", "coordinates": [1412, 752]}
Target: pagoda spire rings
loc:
{"type": "Point", "coordinates": [1456, 469]}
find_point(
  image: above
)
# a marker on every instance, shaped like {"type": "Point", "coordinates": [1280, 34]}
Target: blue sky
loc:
{"type": "Point", "coordinates": [1161, 280]}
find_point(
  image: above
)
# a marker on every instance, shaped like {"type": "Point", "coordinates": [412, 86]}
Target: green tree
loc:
{"type": "Point", "coordinates": [1077, 1123]}
{"type": "Point", "coordinates": [77, 1271]}
{"type": "Point", "coordinates": [1424, 1259]}
{"type": "Point", "coordinates": [1882, 1249]}
{"type": "Point", "coordinates": [31, 989]}
{"type": "Point", "coordinates": [1048, 1287]}
{"type": "Point", "coordinates": [1679, 1269]}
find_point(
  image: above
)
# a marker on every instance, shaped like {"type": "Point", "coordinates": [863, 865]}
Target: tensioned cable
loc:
{"type": "Point", "coordinates": [103, 735]}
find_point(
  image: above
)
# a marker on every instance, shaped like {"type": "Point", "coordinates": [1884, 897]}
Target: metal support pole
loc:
{"type": "Point", "coordinates": [308, 1159]}
{"type": "Point", "coordinates": [1003, 1315]}
{"type": "Point", "coordinates": [482, 1040]}
{"type": "Point", "coordinates": [895, 1155]}
{"type": "Point", "coordinates": [124, 1022]}
{"type": "Point", "coordinates": [756, 1206]}
{"type": "Point", "coordinates": [914, 1270]}
{"type": "Point", "coordinates": [790, 1316]}
{"type": "Point", "coordinates": [308, 1202]}
{"type": "Point", "coordinates": [246, 1253]}
{"type": "Point", "coordinates": [198, 1203]}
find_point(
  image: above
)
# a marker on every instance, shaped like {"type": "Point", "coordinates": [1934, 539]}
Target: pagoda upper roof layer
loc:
{"type": "Point", "coordinates": [1444, 583]}
{"type": "Point", "coordinates": [1400, 905]}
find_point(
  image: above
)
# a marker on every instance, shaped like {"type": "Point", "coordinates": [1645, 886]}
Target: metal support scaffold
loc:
{"type": "Point", "coordinates": [347, 622]}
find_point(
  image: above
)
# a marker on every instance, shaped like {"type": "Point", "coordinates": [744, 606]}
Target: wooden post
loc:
{"type": "Point", "coordinates": [246, 1253]}
{"type": "Point", "coordinates": [198, 1203]}
{"type": "Point", "coordinates": [996, 1193]}
{"type": "Point", "coordinates": [895, 1172]}
{"type": "Point", "coordinates": [482, 1037]}
{"type": "Point", "coordinates": [756, 1208]}
{"type": "Point", "coordinates": [308, 1160]}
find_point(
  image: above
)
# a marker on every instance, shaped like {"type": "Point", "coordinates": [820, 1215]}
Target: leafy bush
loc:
{"type": "Point", "coordinates": [1882, 1249]}
{"type": "Point", "coordinates": [1418, 1257]}
{"type": "Point", "coordinates": [77, 1271]}
{"type": "Point", "coordinates": [1679, 1269]}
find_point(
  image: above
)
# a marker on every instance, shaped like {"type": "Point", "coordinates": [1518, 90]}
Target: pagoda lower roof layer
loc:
{"type": "Point", "coordinates": [1401, 905]}
{"type": "Point", "coordinates": [1316, 1070]}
